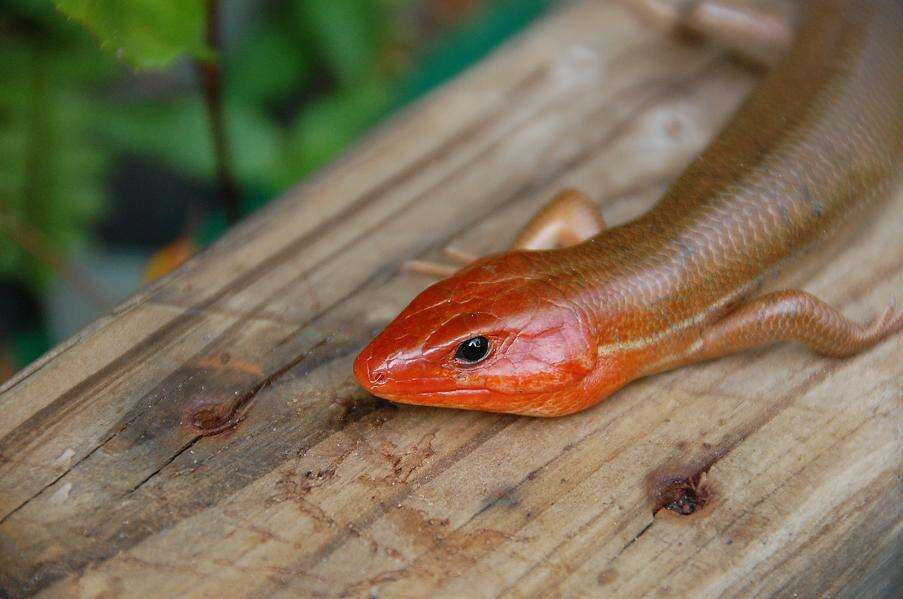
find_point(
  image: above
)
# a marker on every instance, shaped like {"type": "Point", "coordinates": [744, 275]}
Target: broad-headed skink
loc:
{"type": "Point", "coordinates": [576, 311]}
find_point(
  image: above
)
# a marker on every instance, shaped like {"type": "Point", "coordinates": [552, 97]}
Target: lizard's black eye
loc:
{"type": "Point", "coordinates": [473, 350]}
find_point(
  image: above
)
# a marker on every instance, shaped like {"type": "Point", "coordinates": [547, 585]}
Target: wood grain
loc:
{"type": "Point", "coordinates": [207, 438]}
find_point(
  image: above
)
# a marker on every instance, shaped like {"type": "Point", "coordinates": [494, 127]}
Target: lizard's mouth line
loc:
{"type": "Point", "coordinates": [459, 398]}
{"type": "Point", "coordinates": [445, 393]}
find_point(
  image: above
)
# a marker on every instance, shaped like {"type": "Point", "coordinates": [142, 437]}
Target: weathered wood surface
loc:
{"type": "Point", "coordinates": [207, 438]}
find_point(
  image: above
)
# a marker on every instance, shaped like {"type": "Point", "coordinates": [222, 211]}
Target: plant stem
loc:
{"type": "Point", "coordinates": [212, 83]}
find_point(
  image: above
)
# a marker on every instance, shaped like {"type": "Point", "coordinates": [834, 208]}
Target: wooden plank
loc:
{"type": "Point", "coordinates": [208, 438]}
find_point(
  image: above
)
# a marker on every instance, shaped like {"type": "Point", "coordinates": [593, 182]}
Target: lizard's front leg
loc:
{"type": "Point", "coordinates": [569, 218]}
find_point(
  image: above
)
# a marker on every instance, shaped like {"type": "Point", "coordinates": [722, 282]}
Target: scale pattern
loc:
{"type": "Point", "coordinates": [818, 141]}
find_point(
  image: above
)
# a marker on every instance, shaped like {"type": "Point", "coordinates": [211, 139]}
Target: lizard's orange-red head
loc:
{"type": "Point", "coordinates": [492, 337]}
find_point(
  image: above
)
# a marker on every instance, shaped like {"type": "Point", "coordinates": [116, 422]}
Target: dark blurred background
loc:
{"type": "Point", "coordinates": [133, 133]}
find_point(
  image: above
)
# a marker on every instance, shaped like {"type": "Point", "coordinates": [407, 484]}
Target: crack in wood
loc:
{"type": "Point", "coordinates": [172, 459]}
{"type": "Point", "coordinates": [633, 540]}
{"type": "Point", "coordinates": [53, 482]}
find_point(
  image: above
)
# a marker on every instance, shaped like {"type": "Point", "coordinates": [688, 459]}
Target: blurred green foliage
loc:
{"type": "Point", "coordinates": [51, 168]}
{"type": "Point", "coordinates": [301, 81]}
{"type": "Point", "coordinates": [349, 36]}
{"type": "Point", "coordinates": [467, 42]}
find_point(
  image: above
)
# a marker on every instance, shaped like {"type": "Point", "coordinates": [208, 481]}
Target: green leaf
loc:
{"type": "Point", "coordinates": [146, 33]}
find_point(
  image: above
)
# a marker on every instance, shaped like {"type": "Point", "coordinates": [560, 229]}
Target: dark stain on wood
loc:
{"type": "Point", "coordinates": [682, 486]}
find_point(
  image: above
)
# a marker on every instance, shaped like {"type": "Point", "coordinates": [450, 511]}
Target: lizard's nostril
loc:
{"type": "Point", "coordinates": [378, 376]}
{"type": "Point", "coordinates": [368, 375]}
